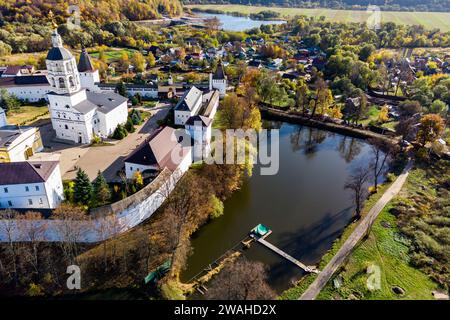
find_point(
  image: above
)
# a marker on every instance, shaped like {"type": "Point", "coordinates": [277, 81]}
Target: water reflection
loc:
{"type": "Point", "coordinates": [305, 204]}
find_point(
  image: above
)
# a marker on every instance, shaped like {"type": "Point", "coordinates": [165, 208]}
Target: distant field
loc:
{"type": "Point", "coordinates": [429, 20]}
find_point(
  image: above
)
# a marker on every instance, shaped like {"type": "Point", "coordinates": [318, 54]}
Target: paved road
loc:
{"type": "Point", "coordinates": [336, 262]}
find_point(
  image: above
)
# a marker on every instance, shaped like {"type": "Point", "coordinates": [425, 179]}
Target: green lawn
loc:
{"type": "Point", "coordinates": [428, 19]}
{"type": "Point", "coordinates": [386, 250]}
{"type": "Point", "coordinates": [113, 54]}
{"type": "Point", "coordinates": [26, 115]}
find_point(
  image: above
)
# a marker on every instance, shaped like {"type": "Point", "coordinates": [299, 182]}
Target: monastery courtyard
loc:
{"type": "Point", "coordinates": [106, 158]}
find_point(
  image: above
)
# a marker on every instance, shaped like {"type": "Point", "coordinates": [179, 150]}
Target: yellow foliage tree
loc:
{"type": "Point", "coordinates": [383, 116]}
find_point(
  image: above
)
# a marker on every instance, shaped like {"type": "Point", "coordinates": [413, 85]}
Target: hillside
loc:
{"type": "Point", "coordinates": [98, 11]}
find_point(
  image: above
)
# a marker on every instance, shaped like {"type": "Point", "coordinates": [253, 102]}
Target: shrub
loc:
{"type": "Point", "coordinates": [217, 207]}
{"type": "Point", "coordinates": [129, 126]}
{"type": "Point", "coordinates": [119, 133]}
{"type": "Point", "coordinates": [390, 177]}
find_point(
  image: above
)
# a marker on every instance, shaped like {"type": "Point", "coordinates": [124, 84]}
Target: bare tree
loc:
{"type": "Point", "coordinates": [241, 280]}
{"type": "Point", "coordinates": [71, 225]}
{"type": "Point", "coordinates": [8, 228]}
{"type": "Point", "coordinates": [382, 151]}
{"type": "Point", "coordinates": [106, 227]}
{"type": "Point", "coordinates": [32, 228]}
{"type": "Point", "coordinates": [212, 25]}
{"type": "Point", "coordinates": [182, 204]}
{"type": "Point", "coordinates": [356, 183]}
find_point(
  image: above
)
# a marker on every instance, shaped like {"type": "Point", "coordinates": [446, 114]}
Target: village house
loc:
{"type": "Point", "coordinates": [30, 185]}
{"type": "Point", "coordinates": [18, 143]}
{"type": "Point", "coordinates": [163, 149]}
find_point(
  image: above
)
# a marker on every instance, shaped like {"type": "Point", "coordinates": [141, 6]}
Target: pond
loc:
{"type": "Point", "coordinates": [305, 205]}
{"type": "Point", "coordinates": [232, 23]}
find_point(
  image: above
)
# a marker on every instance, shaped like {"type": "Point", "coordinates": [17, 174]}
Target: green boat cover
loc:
{"type": "Point", "coordinates": [260, 230]}
{"type": "Point", "coordinates": [158, 273]}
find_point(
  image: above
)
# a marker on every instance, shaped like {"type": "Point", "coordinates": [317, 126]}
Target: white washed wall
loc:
{"type": "Point", "coordinates": [101, 228]}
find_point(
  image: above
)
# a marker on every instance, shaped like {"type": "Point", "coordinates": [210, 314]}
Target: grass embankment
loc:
{"type": "Point", "coordinates": [295, 292]}
{"type": "Point", "coordinates": [387, 249]}
{"type": "Point", "coordinates": [26, 115]}
{"type": "Point", "coordinates": [429, 20]}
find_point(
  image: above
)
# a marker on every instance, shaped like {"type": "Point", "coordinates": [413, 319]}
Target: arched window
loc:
{"type": "Point", "coordinates": [53, 82]}
{"type": "Point", "coordinates": [61, 83]}
{"type": "Point", "coordinates": [71, 82]}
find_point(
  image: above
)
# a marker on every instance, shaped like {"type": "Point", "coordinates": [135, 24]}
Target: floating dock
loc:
{"type": "Point", "coordinates": [260, 237]}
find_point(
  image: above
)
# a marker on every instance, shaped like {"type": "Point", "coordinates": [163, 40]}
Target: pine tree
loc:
{"type": "Point", "coordinates": [82, 189]}
{"type": "Point", "coordinates": [102, 194]}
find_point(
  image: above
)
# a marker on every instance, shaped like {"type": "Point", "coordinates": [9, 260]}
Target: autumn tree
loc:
{"type": "Point", "coordinates": [138, 61]}
{"type": "Point", "coordinates": [383, 116]}
{"type": "Point", "coordinates": [238, 113]}
{"type": "Point", "coordinates": [182, 204]}
{"type": "Point", "coordinates": [323, 98]}
{"type": "Point", "coordinates": [241, 280]}
{"type": "Point", "coordinates": [138, 180]}
{"type": "Point", "coordinates": [431, 128]}
{"type": "Point", "coordinates": [151, 60]}
{"type": "Point", "coordinates": [301, 95]}
{"type": "Point", "coordinates": [356, 184]}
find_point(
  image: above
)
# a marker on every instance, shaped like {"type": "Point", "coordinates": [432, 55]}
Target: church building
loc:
{"type": "Point", "coordinates": [78, 111]}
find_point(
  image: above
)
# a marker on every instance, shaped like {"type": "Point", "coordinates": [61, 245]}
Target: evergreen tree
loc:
{"type": "Point", "coordinates": [82, 189]}
{"type": "Point", "coordinates": [102, 194]}
{"type": "Point", "coordinates": [122, 89]}
{"type": "Point", "coordinates": [119, 133]}
{"type": "Point", "coordinates": [129, 126]}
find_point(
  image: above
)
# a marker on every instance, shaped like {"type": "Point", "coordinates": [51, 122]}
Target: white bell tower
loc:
{"type": "Point", "coordinates": [62, 68]}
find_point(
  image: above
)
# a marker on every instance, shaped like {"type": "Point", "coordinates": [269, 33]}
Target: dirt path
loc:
{"type": "Point", "coordinates": [340, 257]}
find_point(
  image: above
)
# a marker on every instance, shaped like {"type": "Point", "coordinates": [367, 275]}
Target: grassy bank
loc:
{"type": "Point", "coordinates": [399, 258]}
{"type": "Point", "coordinates": [429, 20]}
{"type": "Point", "coordinates": [296, 291]}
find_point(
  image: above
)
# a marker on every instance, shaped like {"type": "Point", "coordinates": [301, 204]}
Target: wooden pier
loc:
{"type": "Point", "coordinates": [310, 269]}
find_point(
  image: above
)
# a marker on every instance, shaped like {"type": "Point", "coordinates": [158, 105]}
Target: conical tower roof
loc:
{"type": "Point", "coordinates": [85, 64]}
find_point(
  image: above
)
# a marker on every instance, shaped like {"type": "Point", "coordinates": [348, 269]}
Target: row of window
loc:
{"type": "Point", "coordinates": [30, 202]}
{"type": "Point", "coordinates": [27, 189]}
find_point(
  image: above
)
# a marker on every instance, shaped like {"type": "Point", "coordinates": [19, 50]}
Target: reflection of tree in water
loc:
{"type": "Point", "coordinates": [268, 124]}
{"type": "Point", "coordinates": [349, 148]}
{"type": "Point", "coordinates": [313, 138]}
{"type": "Point", "coordinates": [296, 138]}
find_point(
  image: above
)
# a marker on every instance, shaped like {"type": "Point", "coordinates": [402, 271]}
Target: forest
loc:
{"type": "Point", "coordinates": [395, 5]}
{"type": "Point", "coordinates": [98, 11]}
